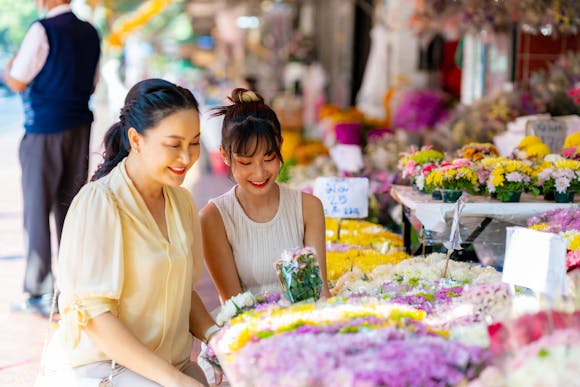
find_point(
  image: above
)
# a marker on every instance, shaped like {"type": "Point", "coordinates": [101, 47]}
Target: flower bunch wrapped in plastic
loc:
{"type": "Point", "coordinates": [299, 274]}
{"type": "Point", "coordinates": [458, 175]}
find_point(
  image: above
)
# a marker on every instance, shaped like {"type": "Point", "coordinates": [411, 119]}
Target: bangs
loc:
{"type": "Point", "coordinates": [251, 135]}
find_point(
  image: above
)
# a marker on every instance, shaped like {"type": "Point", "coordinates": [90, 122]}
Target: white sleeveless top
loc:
{"type": "Point", "coordinates": [256, 246]}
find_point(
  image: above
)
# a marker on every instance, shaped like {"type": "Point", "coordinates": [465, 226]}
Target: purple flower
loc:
{"type": "Point", "coordinates": [420, 109]}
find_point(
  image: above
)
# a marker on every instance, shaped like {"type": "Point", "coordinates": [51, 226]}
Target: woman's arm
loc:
{"type": "Point", "coordinates": [315, 234]}
{"type": "Point", "coordinates": [199, 318]}
{"type": "Point", "coordinates": [218, 255]}
{"type": "Point", "coordinates": [119, 343]}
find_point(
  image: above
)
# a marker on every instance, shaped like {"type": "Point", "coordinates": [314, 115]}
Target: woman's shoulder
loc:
{"type": "Point", "coordinates": [209, 212]}
{"type": "Point", "coordinates": [94, 190]}
{"type": "Point", "coordinates": [310, 203]}
{"type": "Point", "coordinates": [94, 198]}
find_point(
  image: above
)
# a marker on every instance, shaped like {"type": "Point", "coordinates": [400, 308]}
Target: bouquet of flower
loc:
{"type": "Point", "coordinates": [299, 274]}
{"type": "Point", "coordinates": [509, 177]}
{"type": "Point", "coordinates": [476, 151]}
{"type": "Point", "coordinates": [458, 175]}
{"type": "Point", "coordinates": [563, 176]}
{"type": "Point", "coordinates": [415, 164]}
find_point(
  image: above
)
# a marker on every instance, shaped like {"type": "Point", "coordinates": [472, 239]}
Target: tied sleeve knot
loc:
{"type": "Point", "coordinates": [75, 316]}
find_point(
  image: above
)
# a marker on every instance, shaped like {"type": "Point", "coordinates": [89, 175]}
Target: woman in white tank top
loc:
{"type": "Point", "coordinates": [246, 229]}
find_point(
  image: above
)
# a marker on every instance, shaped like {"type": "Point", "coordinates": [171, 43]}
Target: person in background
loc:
{"type": "Point", "coordinates": [246, 229]}
{"type": "Point", "coordinates": [131, 251]}
{"type": "Point", "coordinates": [55, 70]}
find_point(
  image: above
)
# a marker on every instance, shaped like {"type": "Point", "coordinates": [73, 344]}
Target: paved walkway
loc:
{"type": "Point", "coordinates": [21, 336]}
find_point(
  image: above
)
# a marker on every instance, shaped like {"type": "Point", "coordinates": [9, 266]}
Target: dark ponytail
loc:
{"type": "Point", "coordinates": [249, 122]}
{"type": "Point", "coordinates": [147, 103]}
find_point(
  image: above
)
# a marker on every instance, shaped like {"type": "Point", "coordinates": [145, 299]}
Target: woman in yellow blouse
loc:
{"type": "Point", "coordinates": [131, 250]}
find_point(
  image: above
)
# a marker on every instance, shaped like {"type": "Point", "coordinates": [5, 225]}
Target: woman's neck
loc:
{"type": "Point", "coordinates": [148, 190]}
{"type": "Point", "coordinates": [262, 207]}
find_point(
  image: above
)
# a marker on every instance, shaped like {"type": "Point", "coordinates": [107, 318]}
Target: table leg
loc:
{"type": "Point", "coordinates": [406, 230]}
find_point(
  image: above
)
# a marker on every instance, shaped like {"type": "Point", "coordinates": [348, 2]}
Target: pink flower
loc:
{"type": "Point", "coordinates": [458, 163]}
{"type": "Point", "coordinates": [514, 177]}
{"type": "Point", "coordinates": [572, 259]}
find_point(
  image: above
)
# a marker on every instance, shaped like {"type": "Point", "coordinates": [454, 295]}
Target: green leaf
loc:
{"type": "Point", "coordinates": [265, 334]}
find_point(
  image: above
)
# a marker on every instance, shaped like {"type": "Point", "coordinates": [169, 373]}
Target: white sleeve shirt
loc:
{"type": "Point", "coordinates": [32, 55]}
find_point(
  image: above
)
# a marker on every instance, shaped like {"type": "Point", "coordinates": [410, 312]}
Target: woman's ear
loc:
{"type": "Point", "coordinates": [224, 156]}
{"type": "Point", "coordinates": [134, 139]}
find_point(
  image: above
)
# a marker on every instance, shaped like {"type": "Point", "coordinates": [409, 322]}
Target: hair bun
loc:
{"type": "Point", "coordinates": [245, 96]}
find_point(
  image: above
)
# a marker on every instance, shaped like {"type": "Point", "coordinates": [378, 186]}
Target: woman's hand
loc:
{"type": "Point", "coordinates": [325, 293]}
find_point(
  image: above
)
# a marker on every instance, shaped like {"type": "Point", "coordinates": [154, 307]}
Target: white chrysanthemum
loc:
{"type": "Point", "coordinates": [243, 300]}
{"type": "Point", "coordinates": [562, 184]}
{"type": "Point", "coordinates": [227, 312]}
{"type": "Point", "coordinates": [232, 307]}
{"type": "Point", "coordinates": [552, 158]}
{"type": "Point", "coordinates": [471, 334]}
{"type": "Point", "coordinates": [514, 177]}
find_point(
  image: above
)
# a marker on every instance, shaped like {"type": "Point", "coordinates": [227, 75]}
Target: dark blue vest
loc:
{"type": "Point", "coordinates": [57, 99]}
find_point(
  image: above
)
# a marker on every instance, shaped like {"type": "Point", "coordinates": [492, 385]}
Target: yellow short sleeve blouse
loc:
{"type": "Point", "coordinates": [113, 257]}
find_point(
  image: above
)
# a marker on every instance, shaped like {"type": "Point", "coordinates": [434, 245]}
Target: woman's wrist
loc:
{"type": "Point", "coordinates": [209, 333]}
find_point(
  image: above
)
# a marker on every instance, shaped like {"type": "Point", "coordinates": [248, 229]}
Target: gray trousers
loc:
{"type": "Point", "coordinates": [54, 168]}
{"type": "Point", "coordinates": [125, 377]}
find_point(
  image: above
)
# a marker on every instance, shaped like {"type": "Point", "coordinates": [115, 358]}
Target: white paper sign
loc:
{"type": "Point", "coordinates": [343, 197]}
{"type": "Point", "coordinates": [348, 158]}
{"type": "Point", "coordinates": [536, 260]}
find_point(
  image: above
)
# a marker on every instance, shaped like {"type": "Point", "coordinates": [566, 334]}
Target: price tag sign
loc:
{"type": "Point", "coordinates": [343, 197]}
{"type": "Point", "coordinates": [536, 260]}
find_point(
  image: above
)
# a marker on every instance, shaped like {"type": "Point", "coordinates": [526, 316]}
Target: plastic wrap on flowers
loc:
{"type": "Point", "coordinates": [299, 274]}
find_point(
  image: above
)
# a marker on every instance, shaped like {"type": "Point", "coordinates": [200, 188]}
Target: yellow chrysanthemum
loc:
{"type": "Point", "coordinates": [540, 167]}
{"type": "Point", "coordinates": [572, 140]}
{"type": "Point", "coordinates": [489, 162]}
{"type": "Point", "coordinates": [529, 140]}
{"type": "Point", "coordinates": [574, 243]}
{"type": "Point", "coordinates": [539, 226]}
{"type": "Point", "coordinates": [573, 165]}
{"type": "Point", "coordinates": [497, 180]}
{"type": "Point", "coordinates": [537, 151]}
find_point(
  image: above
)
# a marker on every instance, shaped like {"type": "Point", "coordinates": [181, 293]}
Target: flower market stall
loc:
{"type": "Point", "coordinates": [397, 321]}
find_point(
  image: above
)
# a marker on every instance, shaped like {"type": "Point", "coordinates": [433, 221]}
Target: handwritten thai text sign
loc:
{"type": "Point", "coordinates": [536, 260]}
{"type": "Point", "coordinates": [343, 197]}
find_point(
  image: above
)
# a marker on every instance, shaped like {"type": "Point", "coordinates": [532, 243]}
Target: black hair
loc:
{"type": "Point", "coordinates": [249, 119]}
{"type": "Point", "coordinates": [147, 103]}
